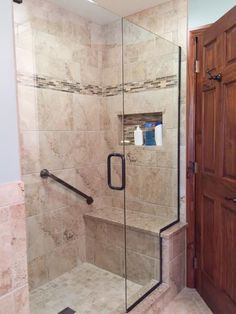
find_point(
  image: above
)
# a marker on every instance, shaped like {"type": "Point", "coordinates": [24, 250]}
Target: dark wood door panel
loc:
{"type": "Point", "coordinates": [209, 130]}
{"type": "Point", "coordinates": [229, 73]}
{"type": "Point", "coordinates": [229, 124]}
{"type": "Point", "coordinates": [230, 48]}
{"type": "Point", "coordinates": [218, 301]}
{"type": "Point", "coordinates": [217, 188]}
{"type": "Point", "coordinates": [228, 272]}
{"type": "Point", "coordinates": [208, 232]}
{"type": "Point", "coordinates": [210, 55]}
{"type": "Point", "coordinates": [216, 155]}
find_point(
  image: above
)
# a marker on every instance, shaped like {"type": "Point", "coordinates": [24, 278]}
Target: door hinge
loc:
{"type": "Point", "coordinates": [197, 66]}
{"type": "Point", "coordinates": [192, 168]}
{"type": "Point", "coordinates": [195, 262]}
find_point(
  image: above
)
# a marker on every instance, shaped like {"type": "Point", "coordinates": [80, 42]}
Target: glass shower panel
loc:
{"type": "Point", "coordinates": [70, 95]}
{"type": "Point", "coordinates": [151, 101]}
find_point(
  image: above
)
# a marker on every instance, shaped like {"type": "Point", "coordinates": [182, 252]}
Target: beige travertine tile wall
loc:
{"type": "Point", "coordinates": [169, 20]}
{"type": "Point", "coordinates": [13, 262]}
{"type": "Point", "coordinates": [174, 252]}
{"type": "Point", "coordinates": [151, 172]}
{"type": "Point", "coordinates": [105, 249]}
{"type": "Point", "coordinates": [60, 130]}
{"type": "Point", "coordinates": [71, 133]}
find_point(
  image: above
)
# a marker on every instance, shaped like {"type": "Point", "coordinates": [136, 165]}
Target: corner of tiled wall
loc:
{"type": "Point", "coordinates": [13, 257]}
{"type": "Point", "coordinates": [169, 20]}
{"type": "Point", "coordinates": [174, 272]}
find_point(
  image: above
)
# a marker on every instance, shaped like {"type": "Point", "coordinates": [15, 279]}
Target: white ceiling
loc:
{"type": "Point", "coordinates": [128, 7]}
{"type": "Point", "coordinates": [102, 12]}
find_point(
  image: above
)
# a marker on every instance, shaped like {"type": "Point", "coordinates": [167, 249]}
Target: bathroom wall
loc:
{"type": "Point", "coordinates": [13, 261]}
{"type": "Point", "coordinates": [9, 157]}
{"type": "Point", "coordinates": [59, 59]}
{"type": "Point", "coordinates": [169, 20]}
{"type": "Point", "coordinates": [152, 171]}
{"type": "Point", "coordinates": [150, 74]}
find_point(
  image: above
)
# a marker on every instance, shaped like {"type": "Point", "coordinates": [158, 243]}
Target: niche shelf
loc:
{"type": "Point", "coordinates": [132, 120]}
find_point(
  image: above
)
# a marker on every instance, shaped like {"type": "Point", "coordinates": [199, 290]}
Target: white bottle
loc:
{"type": "Point", "coordinates": [138, 136]}
{"type": "Point", "coordinates": [158, 134]}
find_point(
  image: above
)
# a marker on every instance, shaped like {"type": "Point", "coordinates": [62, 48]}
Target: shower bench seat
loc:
{"type": "Point", "coordinates": [134, 220]}
{"type": "Point", "coordinates": [105, 245]}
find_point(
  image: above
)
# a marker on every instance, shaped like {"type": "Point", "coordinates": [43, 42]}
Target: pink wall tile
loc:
{"type": "Point", "coordinates": [13, 261]}
{"type": "Point", "coordinates": [19, 245]}
{"type": "Point", "coordinates": [6, 251]}
{"type": "Point", "coordinates": [11, 193]}
{"type": "Point", "coordinates": [7, 304]}
{"type": "Point", "coordinates": [21, 300]}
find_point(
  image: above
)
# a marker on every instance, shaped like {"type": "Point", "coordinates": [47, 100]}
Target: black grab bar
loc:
{"type": "Point", "coordinates": [46, 174]}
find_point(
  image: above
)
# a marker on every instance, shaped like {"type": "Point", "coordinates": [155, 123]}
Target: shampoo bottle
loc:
{"type": "Point", "coordinates": [158, 134]}
{"type": "Point", "coordinates": [138, 136]}
{"type": "Point", "coordinates": [149, 133]}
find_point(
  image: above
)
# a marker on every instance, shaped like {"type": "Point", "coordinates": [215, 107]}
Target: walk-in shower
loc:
{"type": "Point", "coordinates": [86, 78]}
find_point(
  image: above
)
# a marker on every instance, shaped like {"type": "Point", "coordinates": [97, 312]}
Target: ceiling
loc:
{"type": "Point", "coordinates": [101, 12]}
{"type": "Point", "coordinates": [128, 7]}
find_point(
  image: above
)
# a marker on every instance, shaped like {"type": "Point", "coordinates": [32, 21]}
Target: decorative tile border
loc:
{"type": "Point", "coordinates": [135, 87]}
{"type": "Point", "coordinates": [47, 82]}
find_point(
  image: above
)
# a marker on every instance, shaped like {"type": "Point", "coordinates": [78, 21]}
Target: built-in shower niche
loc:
{"type": "Point", "coordinates": [130, 122]}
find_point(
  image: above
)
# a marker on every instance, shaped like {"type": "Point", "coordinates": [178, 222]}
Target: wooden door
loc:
{"type": "Point", "coordinates": [216, 157]}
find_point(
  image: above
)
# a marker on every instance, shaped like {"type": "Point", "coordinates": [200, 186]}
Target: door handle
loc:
{"type": "Point", "coordinates": [109, 158]}
{"type": "Point", "coordinates": [217, 77]}
{"type": "Point", "coordinates": [232, 199]}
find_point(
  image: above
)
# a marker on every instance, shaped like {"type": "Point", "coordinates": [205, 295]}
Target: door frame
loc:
{"type": "Point", "coordinates": [192, 93]}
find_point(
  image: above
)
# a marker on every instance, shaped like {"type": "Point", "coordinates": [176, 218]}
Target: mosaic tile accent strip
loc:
{"type": "Point", "coordinates": [112, 90]}
{"type": "Point", "coordinates": [135, 87]}
{"type": "Point", "coordinates": [76, 87]}
{"type": "Point", "coordinates": [56, 84]}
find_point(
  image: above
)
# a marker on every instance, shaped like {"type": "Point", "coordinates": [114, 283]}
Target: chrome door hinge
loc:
{"type": "Point", "coordinates": [197, 66]}
{"type": "Point", "coordinates": [195, 262]}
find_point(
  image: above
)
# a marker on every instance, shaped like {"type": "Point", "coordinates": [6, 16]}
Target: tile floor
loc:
{"type": "Point", "coordinates": [87, 289]}
{"type": "Point", "coordinates": [188, 301]}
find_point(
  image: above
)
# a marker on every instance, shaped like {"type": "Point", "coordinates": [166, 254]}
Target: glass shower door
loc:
{"type": "Point", "coordinates": [151, 103]}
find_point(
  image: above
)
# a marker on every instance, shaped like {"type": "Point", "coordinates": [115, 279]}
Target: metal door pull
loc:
{"type": "Point", "coordinates": [121, 156]}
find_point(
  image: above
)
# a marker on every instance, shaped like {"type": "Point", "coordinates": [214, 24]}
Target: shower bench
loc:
{"type": "Point", "coordinates": [105, 244]}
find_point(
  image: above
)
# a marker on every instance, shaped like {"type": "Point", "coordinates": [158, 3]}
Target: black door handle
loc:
{"type": "Point", "coordinates": [232, 199]}
{"type": "Point", "coordinates": [121, 156]}
{"type": "Point", "coordinates": [217, 77]}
